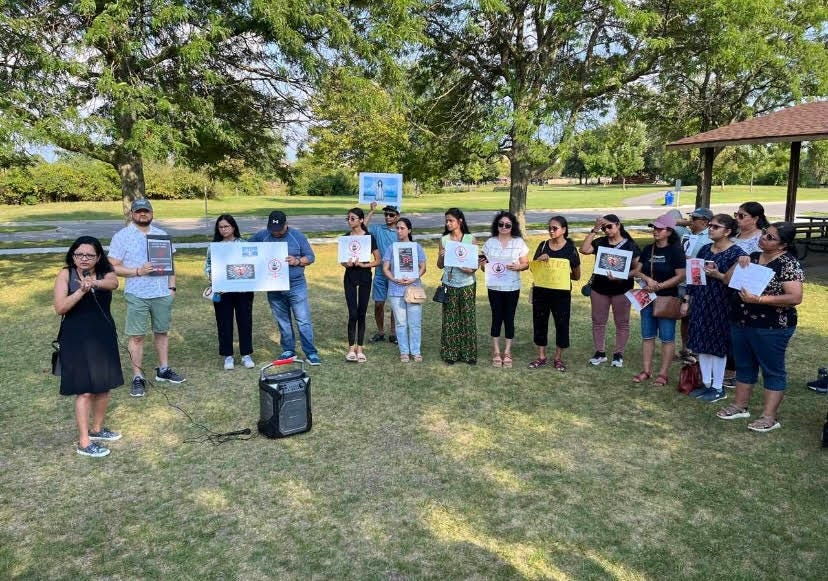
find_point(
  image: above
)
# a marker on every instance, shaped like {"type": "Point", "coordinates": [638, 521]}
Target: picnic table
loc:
{"type": "Point", "coordinates": [811, 234]}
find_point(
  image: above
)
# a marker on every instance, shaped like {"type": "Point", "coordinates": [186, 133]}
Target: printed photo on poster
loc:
{"type": "Point", "coordinates": [640, 298]}
{"type": "Point", "coordinates": [694, 272]}
{"type": "Point", "coordinates": [383, 188]}
{"type": "Point", "coordinates": [160, 254]}
{"type": "Point", "coordinates": [354, 248]}
{"type": "Point", "coordinates": [406, 263]}
{"type": "Point", "coordinates": [249, 266]}
{"type": "Point", "coordinates": [613, 260]}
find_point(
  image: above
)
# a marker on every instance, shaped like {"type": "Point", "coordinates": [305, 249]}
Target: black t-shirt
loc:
{"type": "Point", "coordinates": [358, 274]}
{"type": "Point", "coordinates": [663, 265]}
{"type": "Point", "coordinates": [604, 285]}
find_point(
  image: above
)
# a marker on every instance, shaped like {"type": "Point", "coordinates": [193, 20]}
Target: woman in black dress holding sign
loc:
{"type": "Point", "coordinates": [90, 364]}
{"type": "Point", "coordinates": [357, 283]}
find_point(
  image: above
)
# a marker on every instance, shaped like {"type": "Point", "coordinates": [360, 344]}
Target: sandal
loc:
{"type": "Point", "coordinates": [361, 358]}
{"type": "Point", "coordinates": [404, 358]}
{"type": "Point", "coordinates": [507, 361]}
{"type": "Point", "coordinates": [764, 424]}
{"type": "Point", "coordinates": [559, 366]}
{"type": "Point", "coordinates": [351, 356]}
{"type": "Point", "coordinates": [539, 362]}
{"type": "Point", "coordinates": [643, 376]}
{"type": "Point", "coordinates": [418, 359]}
{"type": "Point", "coordinates": [661, 380]}
{"type": "Point", "coordinates": [732, 412]}
{"type": "Point", "coordinates": [497, 361]}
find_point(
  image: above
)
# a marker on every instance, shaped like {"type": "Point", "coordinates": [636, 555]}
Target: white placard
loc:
{"type": "Point", "coordinates": [355, 248]}
{"type": "Point", "coordinates": [754, 278]}
{"type": "Point", "coordinates": [613, 260]}
{"type": "Point", "coordinates": [497, 273]}
{"type": "Point", "coordinates": [385, 189]}
{"type": "Point", "coordinates": [405, 260]}
{"type": "Point", "coordinates": [694, 272]}
{"type": "Point", "coordinates": [249, 266]}
{"type": "Point", "coordinates": [460, 255]}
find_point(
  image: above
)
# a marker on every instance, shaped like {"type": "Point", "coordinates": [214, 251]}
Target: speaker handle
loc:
{"type": "Point", "coordinates": [279, 362]}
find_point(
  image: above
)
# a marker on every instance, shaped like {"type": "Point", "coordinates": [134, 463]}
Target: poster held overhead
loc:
{"type": "Point", "coordinates": [382, 188]}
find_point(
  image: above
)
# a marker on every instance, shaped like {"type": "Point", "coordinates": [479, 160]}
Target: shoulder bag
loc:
{"type": "Point", "coordinates": [414, 295]}
{"type": "Point", "coordinates": [664, 307]}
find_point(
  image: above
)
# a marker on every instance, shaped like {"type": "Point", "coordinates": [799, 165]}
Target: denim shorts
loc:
{"type": "Point", "coordinates": [379, 290]}
{"type": "Point", "coordinates": [761, 348]}
{"type": "Point", "coordinates": [652, 327]}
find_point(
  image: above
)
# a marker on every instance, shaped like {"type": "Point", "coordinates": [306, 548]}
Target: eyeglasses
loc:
{"type": "Point", "coordinates": [714, 226]}
{"type": "Point", "coordinates": [81, 256]}
{"type": "Point", "coordinates": [506, 225]}
{"type": "Point", "coordinates": [554, 228]}
{"type": "Point", "coordinates": [390, 214]}
{"type": "Point", "coordinates": [740, 215]}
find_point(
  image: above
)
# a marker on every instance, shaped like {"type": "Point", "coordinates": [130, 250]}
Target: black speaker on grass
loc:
{"type": "Point", "coordinates": [284, 401]}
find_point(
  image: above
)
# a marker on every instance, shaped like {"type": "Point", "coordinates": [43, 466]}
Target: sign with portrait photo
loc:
{"type": "Point", "coordinates": [249, 266]}
{"type": "Point", "coordinates": [355, 248]}
{"type": "Point", "coordinates": [385, 189]}
{"type": "Point", "coordinates": [406, 262]}
{"type": "Point", "coordinates": [613, 260]}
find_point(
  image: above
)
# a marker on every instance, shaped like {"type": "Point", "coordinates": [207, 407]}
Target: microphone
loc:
{"type": "Point", "coordinates": [85, 273]}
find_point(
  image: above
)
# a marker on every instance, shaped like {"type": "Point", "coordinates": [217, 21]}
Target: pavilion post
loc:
{"type": "Point", "coordinates": [707, 178]}
{"type": "Point", "coordinates": [793, 181]}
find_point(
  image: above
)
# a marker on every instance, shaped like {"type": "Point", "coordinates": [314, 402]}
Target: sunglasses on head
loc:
{"type": "Point", "coordinates": [506, 225]}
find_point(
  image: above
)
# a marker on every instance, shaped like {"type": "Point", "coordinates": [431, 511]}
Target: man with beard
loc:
{"type": "Point", "coordinates": [148, 298]}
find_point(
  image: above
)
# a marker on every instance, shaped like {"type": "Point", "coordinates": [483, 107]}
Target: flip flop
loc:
{"type": "Point", "coordinates": [351, 356]}
{"type": "Point", "coordinates": [361, 358]}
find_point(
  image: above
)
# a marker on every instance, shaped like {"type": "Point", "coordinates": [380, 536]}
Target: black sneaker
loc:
{"type": "Point", "coordinates": [377, 338]}
{"type": "Point", "coordinates": [820, 386]}
{"type": "Point", "coordinates": [105, 435]}
{"type": "Point", "coordinates": [168, 375]}
{"type": "Point", "coordinates": [392, 339]}
{"type": "Point", "coordinates": [729, 382]}
{"type": "Point", "coordinates": [93, 450]}
{"type": "Point", "coordinates": [617, 360]}
{"type": "Point", "coordinates": [138, 387]}
{"type": "Point", "coordinates": [599, 358]}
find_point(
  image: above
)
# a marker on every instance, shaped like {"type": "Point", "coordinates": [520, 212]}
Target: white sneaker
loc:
{"type": "Point", "coordinates": [228, 362]}
{"type": "Point", "coordinates": [248, 362]}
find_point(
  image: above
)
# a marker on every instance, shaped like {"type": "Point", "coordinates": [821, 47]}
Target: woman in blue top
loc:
{"type": "Point", "coordinates": [241, 303]}
{"type": "Point", "coordinates": [407, 316]}
{"type": "Point", "coordinates": [357, 283]}
{"type": "Point", "coordinates": [458, 339]}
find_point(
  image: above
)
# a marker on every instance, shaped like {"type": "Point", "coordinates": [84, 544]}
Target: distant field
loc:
{"type": "Point", "coordinates": [482, 198]}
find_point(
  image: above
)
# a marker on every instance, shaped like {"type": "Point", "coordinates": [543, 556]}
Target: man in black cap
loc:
{"type": "Point", "coordinates": [385, 235]}
{"type": "Point", "coordinates": [292, 303]}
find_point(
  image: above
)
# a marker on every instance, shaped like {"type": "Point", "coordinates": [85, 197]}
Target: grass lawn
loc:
{"type": "Point", "coordinates": [483, 198]}
{"type": "Point", "coordinates": [410, 471]}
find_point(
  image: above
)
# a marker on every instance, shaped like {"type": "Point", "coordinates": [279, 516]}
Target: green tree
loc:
{"type": "Point", "coordinates": [626, 144]}
{"type": "Point", "coordinates": [731, 61]}
{"type": "Point", "coordinates": [121, 80]}
{"type": "Point", "coordinates": [815, 168]}
{"type": "Point", "coordinates": [513, 77]}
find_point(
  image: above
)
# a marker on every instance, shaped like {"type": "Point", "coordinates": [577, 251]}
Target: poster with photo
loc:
{"type": "Point", "coordinates": [640, 298]}
{"type": "Point", "coordinates": [386, 189]}
{"type": "Point", "coordinates": [613, 260]}
{"type": "Point", "coordinates": [406, 262]}
{"type": "Point", "coordinates": [160, 254]}
{"type": "Point", "coordinates": [694, 272]}
{"type": "Point", "coordinates": [249, 266]}
{"type": "Point", "coordinates": [354, 248]}
{"type": "Point", "coordinates": [460, 255]}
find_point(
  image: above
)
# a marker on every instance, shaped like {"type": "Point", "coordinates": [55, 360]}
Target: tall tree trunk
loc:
{"type": "Point", "coordinates": [130, 168]}
{"type": "Point", "coordinates": [519, 171]}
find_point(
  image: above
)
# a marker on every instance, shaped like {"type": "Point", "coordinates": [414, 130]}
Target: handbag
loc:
{"type": "Point", "coordinates": [586, 290]}
{"type": "Point", "coordinates": [56, 351]}
{"type": "Point", "coordinates": [414, 295]}
{"type": "Point", "coordinates": [664, 307]}
{"type": "Point", "coordinates": [441, 294]}
{"type": "Point", "coordinates": [690, 378]}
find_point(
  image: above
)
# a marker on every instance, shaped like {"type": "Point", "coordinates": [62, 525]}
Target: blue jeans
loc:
{"type": "Point", "coordinates": [754, 348]}
{"type": "Point", "coordinates": [408, 319]}
{"type": "Point", "coordinates": [652, 326]}
{"type": "Point", "coordinates": [288, 304]}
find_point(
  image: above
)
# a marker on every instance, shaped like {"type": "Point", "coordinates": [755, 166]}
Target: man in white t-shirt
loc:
{"type": "Point", "coordinates": [149, 298]}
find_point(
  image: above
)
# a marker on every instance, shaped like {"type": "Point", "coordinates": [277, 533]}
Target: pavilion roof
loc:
{"type": "Point", "coordinates": [806, 122]}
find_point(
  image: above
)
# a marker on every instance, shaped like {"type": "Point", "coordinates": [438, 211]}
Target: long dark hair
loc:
{"type": "Point", "coordinates": [217, 237]}
{"type": "Point", "coordinates": [673, 238]}
{"type": "Point", "coordinates": [616, 220]}
{"type": "Point", "coordinates": [102, 266]}
{"type": "Point", "coordinates": [407, 222]}
{"type": "Point", "coordinates": [564, 224]}
{"type": "Point", "coordinates": [727, 221]}
{"type": "Point", "coordinates": [458, 214]}
{"type": "Point", "coordinates": [787, 233]}
{"type": "Point", "coordinates": [515, 232]}
{"type": "Point", "coordinates": [361, 215]}
{"type": "Point", "coordinates": [756, 210]}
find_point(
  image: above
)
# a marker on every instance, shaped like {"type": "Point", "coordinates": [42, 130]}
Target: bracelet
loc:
{"type": "Point", "coordinates": [137, 273]}
{"type": "Point", "coordinates": [172, 288]}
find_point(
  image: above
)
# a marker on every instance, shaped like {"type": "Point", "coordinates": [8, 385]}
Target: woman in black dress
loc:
{"type": "Point", "coordinates": [90, 364]}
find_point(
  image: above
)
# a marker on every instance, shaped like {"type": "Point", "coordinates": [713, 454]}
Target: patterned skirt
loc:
{"type": "Point", "coordinates": [458, 340]}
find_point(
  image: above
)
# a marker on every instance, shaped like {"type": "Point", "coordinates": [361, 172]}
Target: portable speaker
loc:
{"type": "Point", "coordinates": [284, 401]}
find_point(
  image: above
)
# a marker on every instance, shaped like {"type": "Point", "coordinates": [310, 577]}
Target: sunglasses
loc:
{"type": "Point", "coordinates": [555, 228]}
{"type": "Point", "coordinates": [506, 225]}
{"type": "Point", "coordinates": [740, 215]}
{"type": "Point", "coordinates": [714, 226]}
{"type": "Point", "coordinates": [767, 236]}
{"type": "Point", "coordinates": [81, 256]}
{"type": "Point", "coordinates": [390, 214]}
{"type": "Point", "coordinates": [351, 218]}
{"type": "Point", "coordinates": [606, 227]}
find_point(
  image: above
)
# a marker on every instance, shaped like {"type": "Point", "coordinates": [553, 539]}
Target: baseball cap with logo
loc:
{"type": "Point", "coordinates": [702, 213]}
{"type": "Point", "coordinates": [276, 221]}
{"type": "Point", "coordinates": [141, 204]}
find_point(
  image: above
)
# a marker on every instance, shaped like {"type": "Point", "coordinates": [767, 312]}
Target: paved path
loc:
{"type": "Point", "coordinates": [479, 221]}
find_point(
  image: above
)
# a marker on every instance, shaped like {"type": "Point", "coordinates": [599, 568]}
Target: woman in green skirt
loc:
{"type": "Point", "coordinates": [458, 340]}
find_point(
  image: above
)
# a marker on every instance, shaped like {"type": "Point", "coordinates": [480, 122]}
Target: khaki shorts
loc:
{"type": "Point", "coordinates": [139, 311]}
